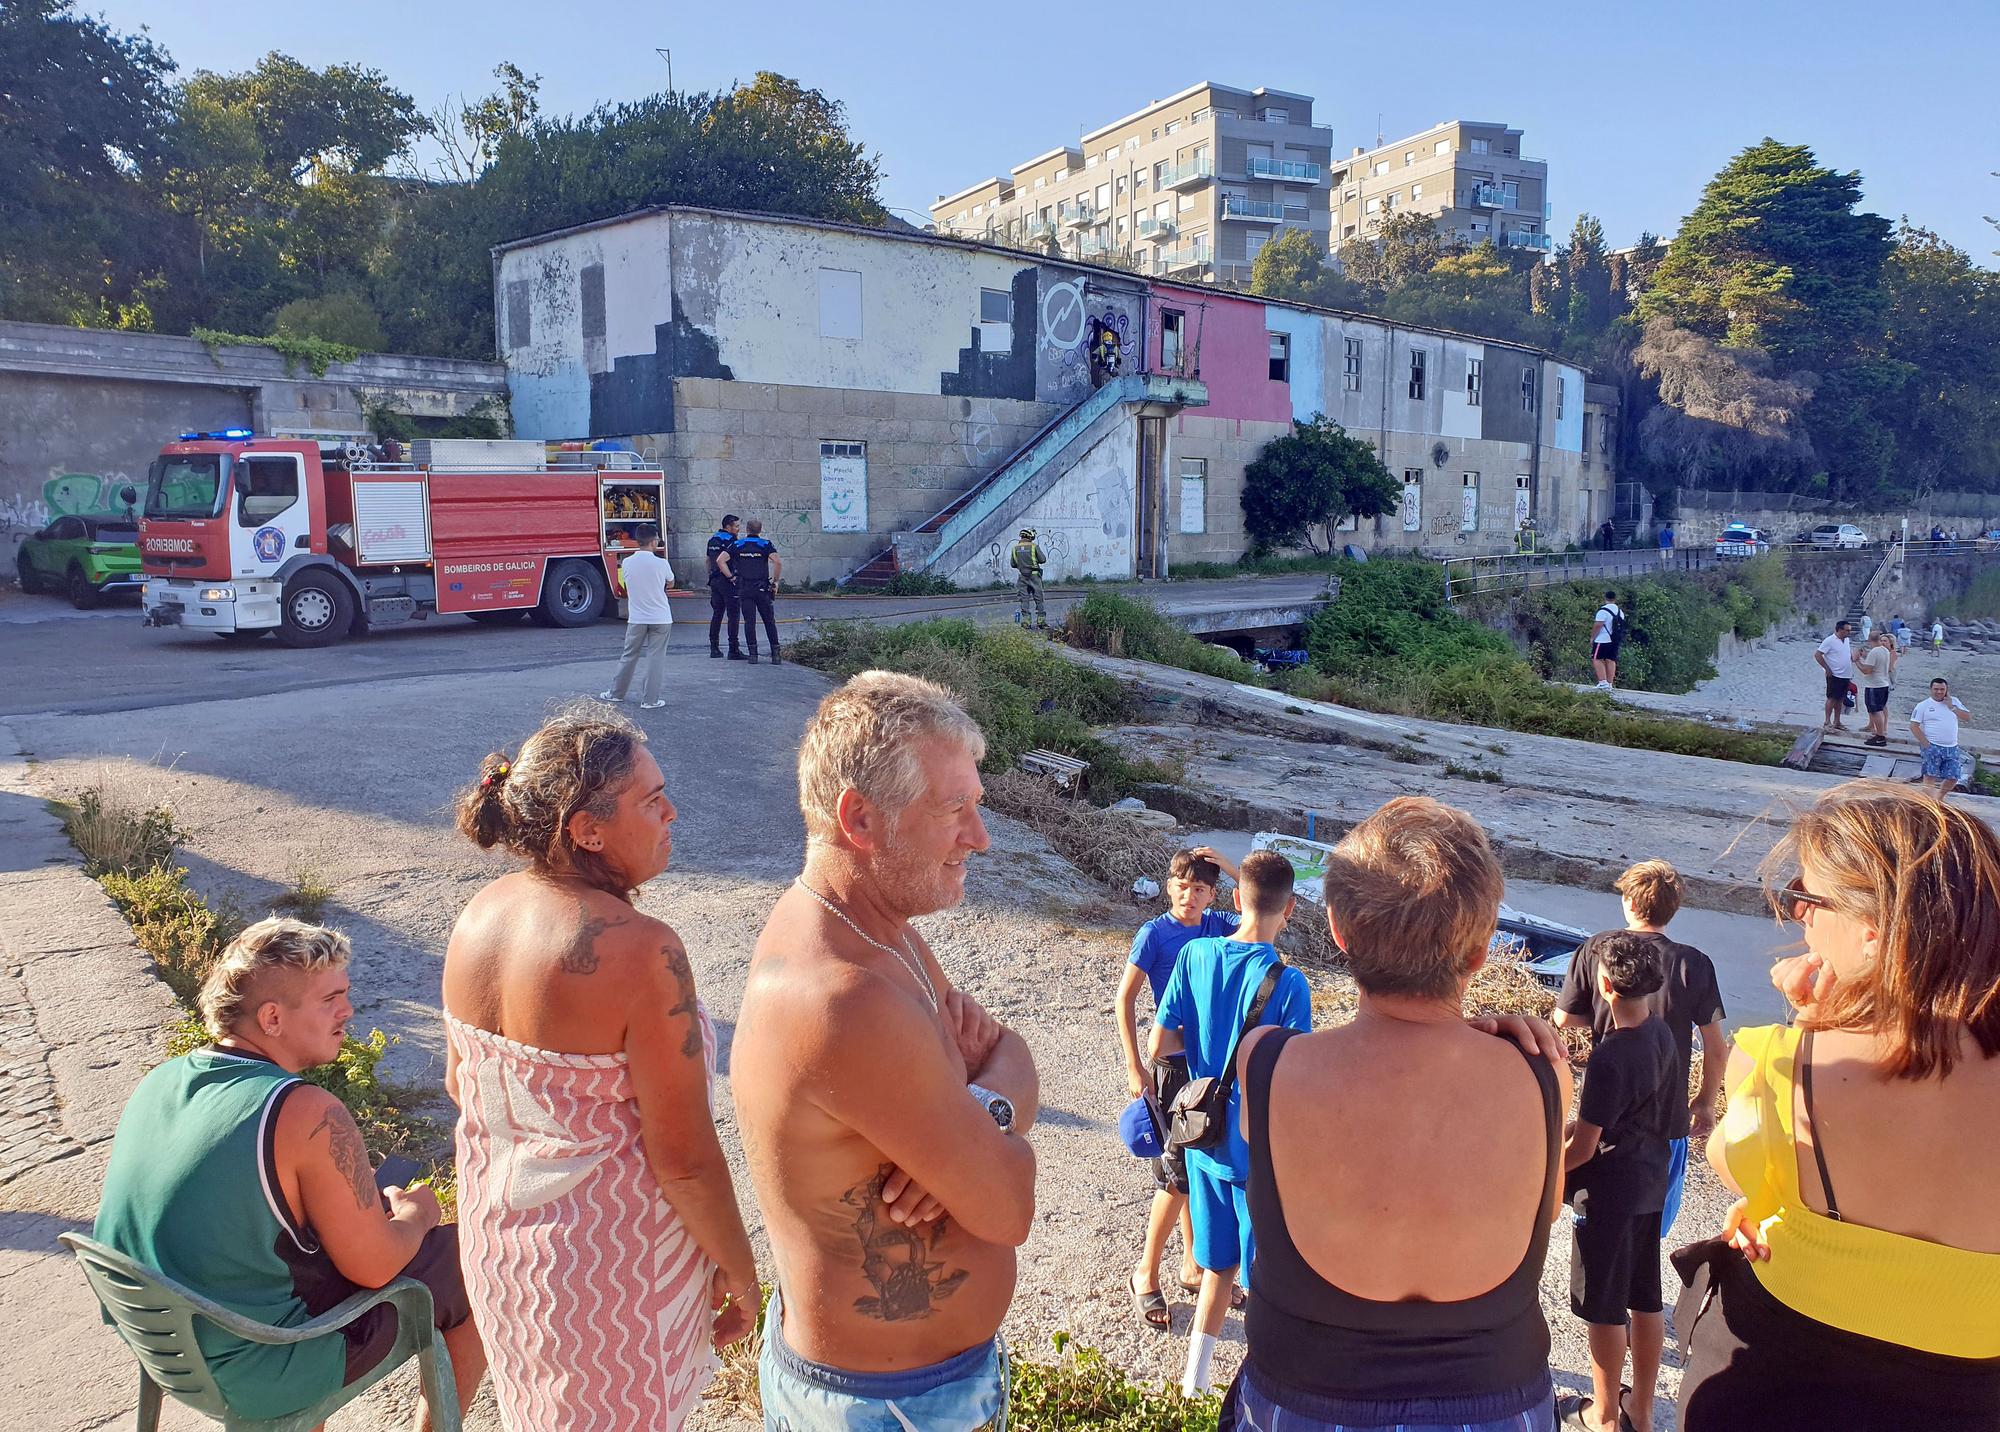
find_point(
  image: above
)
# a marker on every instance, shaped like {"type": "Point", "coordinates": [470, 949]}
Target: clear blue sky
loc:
{"type": "Point", "coordinates": [1633, 107]}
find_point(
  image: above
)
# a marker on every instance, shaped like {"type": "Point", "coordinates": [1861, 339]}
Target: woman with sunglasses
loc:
{"type": "Point", "coordinates": [1857, 1281]}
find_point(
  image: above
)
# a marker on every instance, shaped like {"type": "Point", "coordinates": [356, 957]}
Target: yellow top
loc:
{"type": "Point", "coordinates": [1887, 1286]}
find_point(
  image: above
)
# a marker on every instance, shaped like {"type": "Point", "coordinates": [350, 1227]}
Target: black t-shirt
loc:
{"type": "Point", "coordinates": [719, 543]}
{"type": "Point", "coordinates": [1688, 1000]}
{"type": "Point", "coordinates": [1630, 1089]}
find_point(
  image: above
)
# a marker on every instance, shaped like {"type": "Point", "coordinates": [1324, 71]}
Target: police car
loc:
{"type": "Point", "coordinates": [1741, 540]}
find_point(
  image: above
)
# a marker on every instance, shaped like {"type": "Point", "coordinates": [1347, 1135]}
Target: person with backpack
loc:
{"type": "Point", "coordinates": [1223, 988]}
{"type": "Point", "coordinates": [1607, 631]}
{"type": "Point", "coordinates": [1027, 560]}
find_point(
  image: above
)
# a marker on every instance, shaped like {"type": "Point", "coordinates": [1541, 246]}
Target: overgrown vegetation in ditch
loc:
{"type": "Point", "coordinates": [1023, 695]}
{"type": "Point", "coordinates": [1675, 621]}
{"type": "Point", "coordinates": [1392, 644]}
{"type": "Point", "coordinates": [131, 850]}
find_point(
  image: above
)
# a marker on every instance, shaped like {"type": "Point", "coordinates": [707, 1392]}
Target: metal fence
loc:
{"type": "Point", "coordinates": [1524, 571]}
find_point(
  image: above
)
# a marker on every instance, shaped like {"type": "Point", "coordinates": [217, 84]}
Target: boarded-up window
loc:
{"type": "Point", "coordinates": [839, 303]}
{"type": "Point", "coordinates": [518, 321]}
{"type": "Point", "coordinates": [1413, 499]}
{"type": "Point", "coordinates": [843, 487]}
{"type": "Point", "coordinates": [1468, 503]}
{"type": "Point", "coordinates": [1194, 494]}
{"type": "Point", "coordinates": [593, 300]}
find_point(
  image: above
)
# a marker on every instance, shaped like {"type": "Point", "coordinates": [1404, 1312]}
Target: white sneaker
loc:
{"type": "Point", "coordinates": [651, 705]}
{"type": "Point", "coordinates": [607, 696]}
{"type": "Point", "coordinates": [1604, 686]}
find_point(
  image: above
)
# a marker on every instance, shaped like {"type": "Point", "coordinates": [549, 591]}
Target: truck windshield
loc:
{"type": "Point", "coordinates": [187, 485]}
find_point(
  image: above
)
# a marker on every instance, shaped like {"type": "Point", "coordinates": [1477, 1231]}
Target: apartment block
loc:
{"type": "Point", "coordinates": [1469, 175]}
{"type": "Point", "coordinates": [1190, 187]}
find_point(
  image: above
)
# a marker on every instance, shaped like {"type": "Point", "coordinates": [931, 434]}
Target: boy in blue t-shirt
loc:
{"type": "Point", "coordinates": [1203, 1010]}
{"type": "Point", "coordinates": [1156, 951]}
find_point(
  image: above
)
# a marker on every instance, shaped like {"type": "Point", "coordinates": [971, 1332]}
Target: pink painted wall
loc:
{"type": "Point", "coordinates": [1235, 352]}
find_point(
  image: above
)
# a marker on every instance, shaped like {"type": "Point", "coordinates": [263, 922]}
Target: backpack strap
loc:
{"type": "Point", "coordinates": [1250, 1021]}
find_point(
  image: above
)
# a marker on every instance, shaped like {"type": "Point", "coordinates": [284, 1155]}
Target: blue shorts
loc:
{"type": "Point", "coordinates": [1943, 763]}
{"type": "Point", "coordinates": [1677, 1172]}
{"type": "Point", "coordinates": [1220, 1213]}
{"type": "Point", "coordinates": [1254, 1405]}
{"type": "Point", "coordinates": [967, 1393]}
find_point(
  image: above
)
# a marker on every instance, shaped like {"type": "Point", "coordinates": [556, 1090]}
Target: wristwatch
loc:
{"type": "Point", "coordinates": [998, 1105]}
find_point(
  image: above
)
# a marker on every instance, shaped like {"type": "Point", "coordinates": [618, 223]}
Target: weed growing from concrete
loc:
{"type": "Point", "coordinates": [308, 892]}
{"type": "Point", "coordinates": [1471, 773]}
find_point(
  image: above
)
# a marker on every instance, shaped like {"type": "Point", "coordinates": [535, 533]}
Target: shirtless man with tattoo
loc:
{"type": "Point", "coordinates": [883, 1110]}
{"type": "Point", "coordinates": [233, 1176]}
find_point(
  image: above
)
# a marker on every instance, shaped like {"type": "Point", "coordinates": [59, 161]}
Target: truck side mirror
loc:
{"type": "Point", "coordinates": [129, 495]}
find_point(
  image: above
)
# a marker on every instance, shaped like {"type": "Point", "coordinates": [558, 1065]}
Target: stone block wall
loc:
{"type": "Point", "coordinates": [754, 449]}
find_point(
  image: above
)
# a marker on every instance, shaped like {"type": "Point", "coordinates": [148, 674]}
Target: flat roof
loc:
{"type": "Point", "coordinates": [944, 200]}
{"type": "Point", "coordinates": [917, 236]}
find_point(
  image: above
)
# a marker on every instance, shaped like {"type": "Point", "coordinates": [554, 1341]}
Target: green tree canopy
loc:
{"type": "Point", "coordinates": [1300, 487]}
{"type": "Point", "coordinates": [1402, 247]}
{"type": "Point", "coordinates": [1293, 266]}
{"type": "Point", "coordinates": [1776, 257]}
{"type": "Point", "coordinates": [1477, 291]}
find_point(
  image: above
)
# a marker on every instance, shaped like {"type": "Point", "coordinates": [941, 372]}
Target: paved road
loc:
{"type": "Point", "coordinates": [57, 660]}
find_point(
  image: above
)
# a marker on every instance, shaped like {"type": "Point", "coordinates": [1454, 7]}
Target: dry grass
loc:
{"type": "Point", "coordinates": [117, 835]}
{"type": "Point", "coordinates": [735, 1383]}
{"type": "Point", "coordinates": [306, 895]}
{"type": "Point", "coordinates": [1102, 844]}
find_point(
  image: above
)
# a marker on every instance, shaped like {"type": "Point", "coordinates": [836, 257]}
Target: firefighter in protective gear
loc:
{"type": "Point", "coordinates": [1027, 560]}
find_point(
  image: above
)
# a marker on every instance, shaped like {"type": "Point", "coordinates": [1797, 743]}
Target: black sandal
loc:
{"type": "Point", "coordinates": [1151, 1308]}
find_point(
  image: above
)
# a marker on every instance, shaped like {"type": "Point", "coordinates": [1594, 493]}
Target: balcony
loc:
{"type": "Point", "coordinates": [1185, 175]}
{"type": "Point", "coordinates": [1235, 208]}
{"type": "Point", "coordinates": [1078, 216]}
{"type": "Point", "coordinates": [1515, 239]}
{"type": "Point", "coordinates": [1286, 171]}
{"type": "Point", "coordinates": [1095, 248]}
{"type": "Point", "coordinates": [1189, 256]}
{"type": "Point", "coordinates": [1039, 232]}
{"type": "Point", "coordinates": [1494, 196]}
{"type": "Point", "coordinates": [1155, 228]}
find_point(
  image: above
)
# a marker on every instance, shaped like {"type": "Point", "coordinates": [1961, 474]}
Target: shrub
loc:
{"type": "Point", "coordinates": [919, 584]}
{"type": "Point", "coordinates": [342, 316]}
{"type": "Point", "coordinates": [307, 896]}
{"type": "Point", "coordinates": [112, 835]}
{"type": "Point", "coordinates": [173, 924]}
{"type": "Point", "coordinates": [1128, 626]}
{"type": "Point", "coordinates": [1392, 616]}
{"type": "Point", "coordinates": [1085, 1389]}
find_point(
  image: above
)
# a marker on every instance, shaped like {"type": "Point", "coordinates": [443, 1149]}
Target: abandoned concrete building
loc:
{"type": "Point", "coordinates": [905, 401]}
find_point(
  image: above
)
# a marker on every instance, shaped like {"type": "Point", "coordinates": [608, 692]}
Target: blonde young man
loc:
{"type": "Point", "coordinates": [1192, 878]}
{"type": "Point", "coordinates": [883, 1110]}
{"type": "Point", "coordinates": [234, 1177]}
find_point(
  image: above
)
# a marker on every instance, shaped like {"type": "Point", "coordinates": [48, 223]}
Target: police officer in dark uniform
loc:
{"type": "Point", "coordinates": [753, 562]}
{"type": "Point", "coordinates": [722, 591]}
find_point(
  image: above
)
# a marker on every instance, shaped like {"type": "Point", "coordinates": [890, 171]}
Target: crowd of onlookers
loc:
{"type": "Point", "coordinates": [1378, 1197]}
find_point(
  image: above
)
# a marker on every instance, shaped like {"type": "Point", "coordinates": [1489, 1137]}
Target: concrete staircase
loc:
{"type": "Point", "coordinates": [991, 508]}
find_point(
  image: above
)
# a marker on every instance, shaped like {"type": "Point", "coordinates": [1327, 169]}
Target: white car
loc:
{"type": "Point", "coordinates": [1839, 535]}
{"type": "Point", "coordinates": [1738, 540]}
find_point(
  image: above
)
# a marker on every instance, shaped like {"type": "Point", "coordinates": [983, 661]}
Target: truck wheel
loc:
{"type": "Point", "coordinates": [317, 610]}
{"type": "Point", "coordinates": [30, 582]}
{"type": "Point", "coordinates": [506, 618]}
{"type": "Point", "coordinates": [82, 595]}
{"type": "Point", "coordinates": [574, 594]}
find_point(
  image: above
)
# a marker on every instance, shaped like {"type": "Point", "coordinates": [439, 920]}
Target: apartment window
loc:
{"type": "Point", "coordinates": [1201, 156]}
{"type": "Point", "coordinates": [1379, 168]}
{"type": "Point", "coordinates": [1090, 162]}
{"type": "Point", "coordinates": [1417, 373]}
{"type": "Point", "coordinates": [839, 303]}
{"type": "Point", "coordinates": [996, 305]}
{"type": "Point", "coordinates": [1156, 132]}
{"type": "Point", "coordinates": [1103, 196]}
{"type": "Point", "coordinates": [1562, 395]}
{"type": "Point", "coordinates": [1416, 192]}
{"type": "Point", "coordinates": [1350, 376]}
{"type": "Point", "coordinates": [1413, 499]}
{"type": "Point", "coordinates": [1389, 200]}
{"type": "Point", "coordinates": [1060, 175]}
{"type": "Point", "coordinates": [1172, 324]}
{"type": "Point", "coordinates": [1409, 156]}
{"type": "Point", "coordinates": [1111, 154]}
{"type": "Point", "coordinates": [1198, 116]}
{"type": "Point", "coordinates": [1187, 202]}
{"type": "Point", "coordinates": [1194, 495]}
{"type": "Point", "coordinates": [1443, 146]}
{"type": "Point", "coordinates": [1468, 503]}
{"type": "Point", "coordinates": [1174, 127]}
{"type": "Point", "coordinates": [1474, 371]}
{"type": "Point", "coordinates": [1482, 146]}
{"type": "Point", "coordinates": [1160, 174]}
{"type": "Point", "coordinates": [1348, 197]}
{"type": "Point", "coordinates": [1281, 357]}
{"type": "Point", "coordinates": [1275, 116]}
{"type": "Point", "coordinates": [1163, 210]}
{"type": "Point", "coordinates": [1348, 232]}
{"type": "Point", "coordinates": [1041, 181]}
{"type": "Point", "coordinates": [1373, 206]}
{"type": "Point", "coordinates": [1131, 144]}
{"type": "Point", "coordinates": [1528, 389]}
{"type": "Point", "coordinates": [1118, 187]}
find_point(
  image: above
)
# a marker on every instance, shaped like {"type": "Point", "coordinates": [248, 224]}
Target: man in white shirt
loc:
{"type": "Point", "coordinates": [1835, 656]}
{"type": "Point", "coordinates": [649, 621]}
{"type": "Point", "coordinates": [1604, 639]}
{"type": "Point", "coordinates": [1935, 725]}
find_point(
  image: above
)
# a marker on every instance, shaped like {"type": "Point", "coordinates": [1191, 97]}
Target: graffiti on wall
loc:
{"type": "Point", "coordinates": [23, 514]}
{"type": "Point", "coordinates": [1413, 506]}
{"type": "Point", "coordinates": [1087, 343]}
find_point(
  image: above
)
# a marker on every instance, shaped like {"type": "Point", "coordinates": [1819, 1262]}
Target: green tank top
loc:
{"type": "Point", "coordinates": [192, 1191]}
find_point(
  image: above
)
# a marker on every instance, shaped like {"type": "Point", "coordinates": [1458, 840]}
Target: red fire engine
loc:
{"type": "Point", "coordinates": [243, 535]}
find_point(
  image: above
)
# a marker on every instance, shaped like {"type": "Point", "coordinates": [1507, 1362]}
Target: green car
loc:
{"type": "Point", "coordinates": [83, 557]}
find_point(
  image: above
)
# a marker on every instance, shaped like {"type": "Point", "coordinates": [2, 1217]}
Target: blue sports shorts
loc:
{"type": "Point", "coordinates": [967, 1393]}
{"type": "Point", "coordinates": [1220, 1213]}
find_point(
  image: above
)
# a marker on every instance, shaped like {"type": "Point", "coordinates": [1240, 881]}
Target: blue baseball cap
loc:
{"type": "Point", "coordinates": [1140, 1129]}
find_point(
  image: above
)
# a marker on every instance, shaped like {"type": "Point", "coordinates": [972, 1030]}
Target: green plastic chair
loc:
{"type": "Point", "coordinates": [156, 1317]}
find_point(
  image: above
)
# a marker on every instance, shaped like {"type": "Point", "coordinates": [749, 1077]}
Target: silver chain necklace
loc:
{"type": "Point", "coordinates": [905, 956]}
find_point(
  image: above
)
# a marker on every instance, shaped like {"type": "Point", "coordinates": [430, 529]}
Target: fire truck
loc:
{"type": "Point", "coordinates": [241, 535]}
